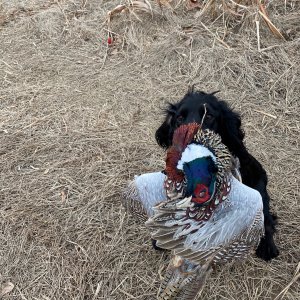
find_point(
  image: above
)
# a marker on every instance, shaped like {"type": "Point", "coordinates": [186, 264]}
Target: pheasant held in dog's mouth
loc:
{"type": "Point", "coordinates": [199, 210]}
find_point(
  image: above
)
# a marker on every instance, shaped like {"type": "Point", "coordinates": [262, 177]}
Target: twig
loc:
{"type": "Point", "coordinates": [266, 114]}
{"type": "Point", "coordinates": [204, 115]}
{"type": "Point", "coordinates": [240, 5]}
{"type": "Point", "coordinates": [294, 279]}
{"type": "Point", "coordinates": [97, 290]}
{"type": "Point", "coordinates": [283, 74]}
{"type": "Point", "coordinates": [269, 48]}
{"type": "Point", "coordinates": [1, 60]}
{"type": "Point", "coordinates": [204, 9]}
{"type": "Point", "coordinates": [222, 42]}
{"type": "Point", "coordinates": [127, 294]}
{"type": "Point", "coordinates": [84, 3]}
{"type": "Point", "coordinates": [269, 23]}
{"type": "Point", "coordinates": [117, 287]}
{"type": "Point", "coordinates": [258, 35]}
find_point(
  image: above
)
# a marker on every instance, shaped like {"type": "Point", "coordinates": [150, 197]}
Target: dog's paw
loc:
{"type": "Point", "coordinates": [267, 249]}
{"type": "Point", "coordinates": [155, 246]}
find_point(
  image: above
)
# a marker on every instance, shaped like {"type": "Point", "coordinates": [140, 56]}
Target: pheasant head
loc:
{"type": "Point", "coordinates": [201, 179]}
{"type": "Point", "coordinates": [196, 167]}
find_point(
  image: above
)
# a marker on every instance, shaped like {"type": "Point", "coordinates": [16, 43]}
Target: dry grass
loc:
{"type": "Point", "coordinates": [77, 120]}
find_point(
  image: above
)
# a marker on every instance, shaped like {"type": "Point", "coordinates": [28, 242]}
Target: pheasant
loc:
{"type": "Point", "coordinates": [197, 209]}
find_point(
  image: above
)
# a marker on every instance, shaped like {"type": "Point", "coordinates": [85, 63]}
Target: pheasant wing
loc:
{"type": "Point", "coordinates": [144, 192]}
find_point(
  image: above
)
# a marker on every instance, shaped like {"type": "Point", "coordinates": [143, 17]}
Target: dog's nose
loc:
{"type": "Point", "coordinates": [193, 118]}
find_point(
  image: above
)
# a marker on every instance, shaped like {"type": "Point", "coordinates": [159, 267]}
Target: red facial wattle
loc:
{"type": "Point", "coordinates": [201, 194]}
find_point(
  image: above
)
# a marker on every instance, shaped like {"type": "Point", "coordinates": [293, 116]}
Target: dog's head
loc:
{"type": "Point", "coordinates": [205, 109]}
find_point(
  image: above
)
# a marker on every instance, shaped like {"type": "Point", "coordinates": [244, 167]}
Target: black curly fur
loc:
{"type": "Point", "coordinates": [227, 123]}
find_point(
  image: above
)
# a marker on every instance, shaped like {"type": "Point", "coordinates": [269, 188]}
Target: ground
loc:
{"type": "Point", "coordinates": [77, 121]}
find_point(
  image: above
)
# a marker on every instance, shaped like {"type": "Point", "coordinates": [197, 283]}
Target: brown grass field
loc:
{"type": "Point", "coordinates": [77, 121]}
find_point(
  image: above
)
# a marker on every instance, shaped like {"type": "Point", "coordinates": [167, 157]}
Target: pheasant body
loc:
{"type": "Point", "coordinates": [203, 214]}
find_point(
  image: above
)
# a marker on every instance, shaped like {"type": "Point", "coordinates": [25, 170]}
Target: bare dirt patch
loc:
{"type": "Point", "coordinates": [77, 120]}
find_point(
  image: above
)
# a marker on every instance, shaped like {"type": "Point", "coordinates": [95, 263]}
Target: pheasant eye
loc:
{"type": "Point", "coordinates": [201, 191]}
{"type": "Point", "coordinates": [202, 194]}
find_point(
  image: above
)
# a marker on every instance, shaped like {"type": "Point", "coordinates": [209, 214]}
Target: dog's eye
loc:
{"type": "Point", "coordinates": [209, 117]}
{"type": "Point", "coordinates": [179, 119]}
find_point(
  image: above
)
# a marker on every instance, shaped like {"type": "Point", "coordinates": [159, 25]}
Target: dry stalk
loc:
{"type": "Point", "coordinates": [295, 278]}
{"type": "Point", "coordinates": [257, 34]}
{"type": "Point", "coordinates": [131, 7]}
{"type": "Point", "coordinates": [266, 114]}
{"type": "Point", "coordinates": [237, 9]}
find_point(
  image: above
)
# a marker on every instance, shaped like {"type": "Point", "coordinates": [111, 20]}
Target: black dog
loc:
{"type": "Point", "coordinates": [227, 123]}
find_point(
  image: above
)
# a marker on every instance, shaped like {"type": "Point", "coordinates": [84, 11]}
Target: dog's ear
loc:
{"type": "Point", "coordinates": [164, 133]}
{"type": "Point", "coordinates": [229, 127]}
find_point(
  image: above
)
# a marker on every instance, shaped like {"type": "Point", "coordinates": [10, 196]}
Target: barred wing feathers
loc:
{"type": "Point", "coordinates": [233, 230]}
{"type": "Point", "coordinates": [142, 193]}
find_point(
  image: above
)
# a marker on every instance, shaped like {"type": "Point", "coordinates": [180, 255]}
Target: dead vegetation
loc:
{"type": "Point", "coordinates": [77, 120]}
